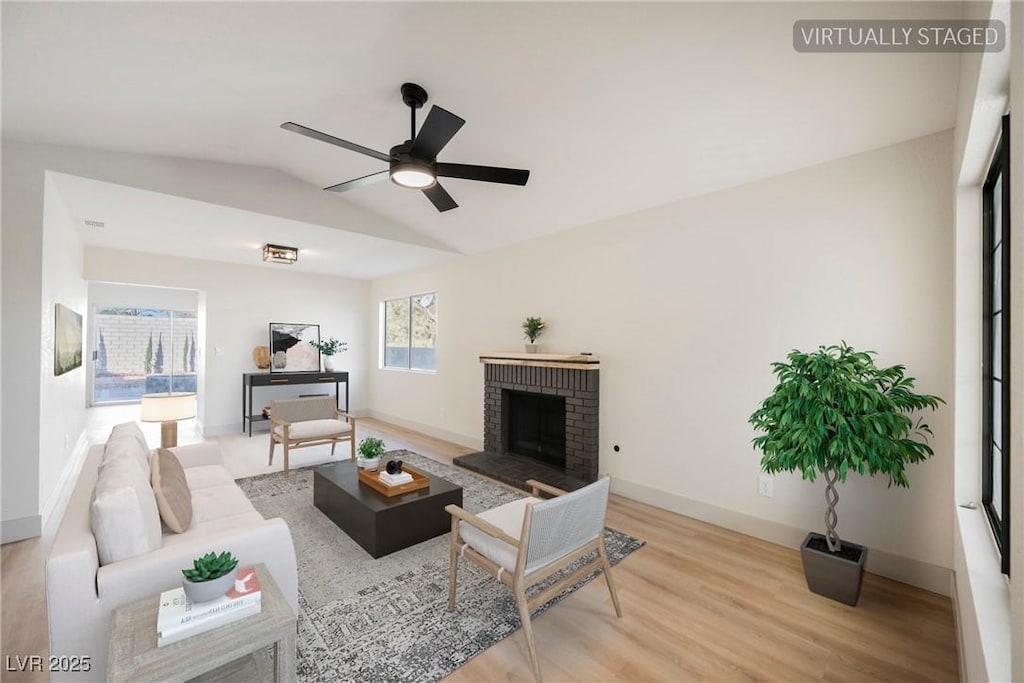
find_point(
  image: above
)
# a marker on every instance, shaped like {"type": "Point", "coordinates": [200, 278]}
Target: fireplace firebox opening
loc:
{"type": "Point", "coordinates": [535, 426]}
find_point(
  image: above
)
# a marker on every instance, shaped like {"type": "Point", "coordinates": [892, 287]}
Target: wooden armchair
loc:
{"type": "Point", "coordinates": [526, 541]}
{"type": "Point", "coordinates": [312, 421]}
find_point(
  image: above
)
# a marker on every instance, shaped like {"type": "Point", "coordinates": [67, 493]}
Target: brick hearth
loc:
{"type": "Point", "coordinates": [577, 382]}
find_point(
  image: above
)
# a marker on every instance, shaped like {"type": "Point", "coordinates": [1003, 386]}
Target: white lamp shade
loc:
{"type": "Point", "coordinates": [178, 405]}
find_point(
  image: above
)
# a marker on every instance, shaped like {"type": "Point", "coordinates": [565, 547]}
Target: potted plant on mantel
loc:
{"type": "Point", "coordinates": [834, 411]}
{"type": "Point", "coordinates": [370, 449]}
{"type": "Point", "coordinates": [328, 349]}
{"type": "Point", "coordinates": [532, 328]}
{"type": "Point", "coordinates": [210, 577]}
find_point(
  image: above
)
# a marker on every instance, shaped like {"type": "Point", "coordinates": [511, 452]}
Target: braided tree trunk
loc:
{"type": "Point", "coordinates": [831, 498]}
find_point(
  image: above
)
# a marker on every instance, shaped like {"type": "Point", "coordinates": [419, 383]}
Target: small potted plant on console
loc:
{"type": "Point", "coordinates": [834, 412]}
{"type": "Point", "coordinates": [370, 449]}
{"type": "Point", "coordinates": [210, 577]}
{"type": "Point", "coordinates": [328, 349]}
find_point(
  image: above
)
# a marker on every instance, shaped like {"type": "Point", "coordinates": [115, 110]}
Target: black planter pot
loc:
{"type": "Point", "coordinates": [831, 575]}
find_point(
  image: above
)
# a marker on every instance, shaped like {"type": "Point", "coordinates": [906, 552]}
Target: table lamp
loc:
{"type": "Point", "coordinates": [167, 408]}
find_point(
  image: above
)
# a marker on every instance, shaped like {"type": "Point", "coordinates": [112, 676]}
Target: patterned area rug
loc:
{"type": "Point", "coordinates": [387, 620]}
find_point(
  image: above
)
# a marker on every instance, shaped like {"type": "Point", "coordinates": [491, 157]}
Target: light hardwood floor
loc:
{"type": "Point", "coordinates": [699, 603]}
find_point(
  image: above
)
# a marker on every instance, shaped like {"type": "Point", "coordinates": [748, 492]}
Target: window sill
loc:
{"type": "Point", "coordinates": [411, 371]}
{"type": "Point", "coordinates": [989, 593]}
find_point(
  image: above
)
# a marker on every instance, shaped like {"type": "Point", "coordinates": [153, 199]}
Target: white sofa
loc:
{"type": "Point", "coordinates": [81, 594]}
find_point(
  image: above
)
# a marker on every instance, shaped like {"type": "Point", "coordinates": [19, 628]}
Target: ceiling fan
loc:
{"type": "Point", "coordinates": [414, 163]}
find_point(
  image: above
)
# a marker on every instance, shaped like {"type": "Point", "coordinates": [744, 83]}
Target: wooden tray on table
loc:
{"type": "Point", "coordinates": [371, 479]}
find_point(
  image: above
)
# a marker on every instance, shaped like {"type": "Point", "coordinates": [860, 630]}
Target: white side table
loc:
{"type": "Point", "coordinates": [134, 656]}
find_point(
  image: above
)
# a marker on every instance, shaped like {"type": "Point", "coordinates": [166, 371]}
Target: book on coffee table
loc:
{"type": "Point", "coordinates": [395, 479]}
{"type": "Point", "coordinates": [179, 618]}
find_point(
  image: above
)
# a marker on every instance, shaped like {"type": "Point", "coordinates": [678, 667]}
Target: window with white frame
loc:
{"type": "Point", "coordinates": [410, 333]}
{"type": "Point", "coordinates": [995, 459]}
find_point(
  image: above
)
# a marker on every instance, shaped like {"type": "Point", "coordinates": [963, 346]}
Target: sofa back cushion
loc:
{"type": "Point", "coordinates": [173, 497]}
{"type": "Point", "coordinates": [126, 441]}
{"type": "Point", "coordinates": [123, 515]}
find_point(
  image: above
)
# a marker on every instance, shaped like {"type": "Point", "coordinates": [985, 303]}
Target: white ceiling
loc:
{"type": "Point", "coordinates": [140, 220]}
{"type": "Point", "coordinates": [614, 107]}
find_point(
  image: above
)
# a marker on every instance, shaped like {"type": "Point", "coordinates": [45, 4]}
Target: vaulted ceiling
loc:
{"type": "Point", "coordinates": [614, 107]}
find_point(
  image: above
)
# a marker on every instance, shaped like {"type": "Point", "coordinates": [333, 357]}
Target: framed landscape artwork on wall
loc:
{"type": "Point", "coordinates": [290, 350]}
{"type": "Point", "coordinates": [67, 340]}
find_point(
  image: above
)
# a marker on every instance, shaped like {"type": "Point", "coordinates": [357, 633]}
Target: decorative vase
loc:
{"type": "Point", "coordinates": [531, 348]}
{"type": "Point", "coordinates": [204, 591]}
{"type": "Point", "coordinates": [261, 357]}
{"type": "Point", "coordinates": [329, 363]}
{"type": "Point", "coordinates": [368, 463]}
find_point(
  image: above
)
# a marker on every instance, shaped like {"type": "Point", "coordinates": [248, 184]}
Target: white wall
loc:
{"type": "Point", "coordinates": [20, 289]}
{"type": "Point", "coordinates": [62, 399]}
{"type": "Point", "coordinates": [688, 304]}
{"type": "Point", "coordinates": [240, 302]}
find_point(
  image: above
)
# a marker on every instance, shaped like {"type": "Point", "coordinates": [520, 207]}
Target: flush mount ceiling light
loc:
{"type": "Point", "coordinates": [275, 253]}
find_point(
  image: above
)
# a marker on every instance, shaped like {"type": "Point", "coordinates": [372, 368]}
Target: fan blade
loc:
{"type": "Point", "coordinates": [359, 182]}
{"type": "Point", "coordinates": [488, 174]}
{"type": "Point", "coordinates": [440, 198]}
{"type": "Point", "coordinates": [441, 125]}
{"type": "Point", "coordinates": [331, 140]}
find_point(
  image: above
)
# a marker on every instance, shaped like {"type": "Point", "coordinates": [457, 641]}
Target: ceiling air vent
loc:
{"type": "Point", "coordinates": [94, 224]}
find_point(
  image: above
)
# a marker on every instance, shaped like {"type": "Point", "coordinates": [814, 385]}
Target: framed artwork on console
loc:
{"type": "Point", "coordinates": [290, 350]}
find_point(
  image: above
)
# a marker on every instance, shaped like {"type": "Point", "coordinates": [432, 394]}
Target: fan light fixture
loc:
{"type": "Point", "coordinates": [411, 174]}
{"type": "Point", "coordinates": [278, 254]}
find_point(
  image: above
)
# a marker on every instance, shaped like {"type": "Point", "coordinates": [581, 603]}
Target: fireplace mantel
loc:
{"type": "Point", "coordinates": [572, 361]}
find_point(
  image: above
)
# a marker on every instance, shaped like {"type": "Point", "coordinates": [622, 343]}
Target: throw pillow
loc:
{"type": "Point", "coordinates": [123, 515]}
{"type": "Point", "coordinates": [173, 498]}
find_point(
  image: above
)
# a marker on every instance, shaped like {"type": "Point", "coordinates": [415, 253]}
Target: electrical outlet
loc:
{"type": "Point", "coordinates": [764, 486]}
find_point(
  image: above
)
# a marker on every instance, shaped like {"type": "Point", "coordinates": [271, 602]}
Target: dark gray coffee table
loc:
{"type": "Point", "coordinates": [382, 525]}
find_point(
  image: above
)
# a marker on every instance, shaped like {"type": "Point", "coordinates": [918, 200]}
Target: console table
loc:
{"type": "Point", "coordinates": [251, 380]}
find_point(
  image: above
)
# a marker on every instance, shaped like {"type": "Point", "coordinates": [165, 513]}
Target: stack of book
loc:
{"type": "Point", "coordinates": [180, 618]}
{"type": "Point", "coordinates": [395, 479]}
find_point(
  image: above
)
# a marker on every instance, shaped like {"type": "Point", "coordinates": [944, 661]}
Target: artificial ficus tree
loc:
{"type": "Point", "coordinates": [834, 411]}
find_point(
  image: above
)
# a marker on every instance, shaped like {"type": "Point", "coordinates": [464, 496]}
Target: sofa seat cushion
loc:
{"type": "Point", "coordinates": [173, 497]}
{"type": "Point", "coordinates": [508, 518]}
{"type": "Point", "coordinates": [315, 429]}
{"type": "Point", "coordinates": [217, 530]}
{"type": "Point", "coordinates": [123, 515]}
{"type": "Point", "coordinates": [205, 476]}
{"type": "Point", "coordinates": [214, 502]}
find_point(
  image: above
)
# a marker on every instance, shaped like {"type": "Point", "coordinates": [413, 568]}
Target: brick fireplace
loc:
{"type": "Point", "coordinates": [540, 418]}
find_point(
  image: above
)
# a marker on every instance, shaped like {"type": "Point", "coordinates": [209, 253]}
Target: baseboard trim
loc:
{"type": "Point", "coordinates": [454, 437]}
{"type": "Point", "coordinates": [12, 530]}
{"type": "Point", "coordinates": [907, 570]}
{"type": "Point", "coordinates": [53, 509]}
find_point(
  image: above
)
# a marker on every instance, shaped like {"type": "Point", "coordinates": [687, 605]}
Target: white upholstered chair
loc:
{"type": "Point", "coordinates": [309, 421]}
{"type": "Point", "coordinates": [526, 541]}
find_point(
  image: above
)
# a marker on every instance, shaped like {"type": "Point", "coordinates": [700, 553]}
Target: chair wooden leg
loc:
{"type": "Point", "coordinates": [453, 564]}
{"type": "Point", "coordinates": [285, 444]}
{"type": "Point", "coordinates": [272, 444]}
{"type": "Point", "coordinates": [352, 445]}
{"type": "Point", "coordinates": [333, 444]}
{"type": "Point", "coordinates": [607, 571]}
{"type": "Point", "coordinates": [524, 616]}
